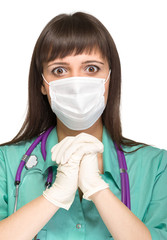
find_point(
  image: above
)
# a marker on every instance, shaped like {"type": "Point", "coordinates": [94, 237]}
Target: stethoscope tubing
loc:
{"type": "Point", "coordinates": [125, 189]}
{"type": "Point", "coordinates": [128, 191]}
{"type": "Point", "coordinates": [25, 157]}
{"type": "Point", "coordinates": [42, 138]}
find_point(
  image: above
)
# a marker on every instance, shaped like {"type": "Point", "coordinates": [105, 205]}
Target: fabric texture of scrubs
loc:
{"type": "Point", "coordinates": [148, 180]}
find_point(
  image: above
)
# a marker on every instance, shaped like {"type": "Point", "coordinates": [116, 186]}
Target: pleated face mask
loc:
{"type": "Point", "coordinates": [78, 102]}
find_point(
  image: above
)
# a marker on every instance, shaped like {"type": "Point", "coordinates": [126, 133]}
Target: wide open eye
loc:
{"type": "Point", "coordinates": [59, 71]}
{"type": "Point", "coordinates": [92, 69]}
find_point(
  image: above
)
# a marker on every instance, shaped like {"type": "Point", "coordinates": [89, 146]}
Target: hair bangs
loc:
{"type": "Point", "coordinates": [72, 35]}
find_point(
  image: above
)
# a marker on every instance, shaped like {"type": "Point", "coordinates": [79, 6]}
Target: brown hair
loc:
{"type": "Point", "coordinates": [62, 36]}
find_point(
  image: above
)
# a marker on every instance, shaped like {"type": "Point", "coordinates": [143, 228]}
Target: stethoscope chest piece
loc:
{"type": "Point", "coordinates": [31, 162]}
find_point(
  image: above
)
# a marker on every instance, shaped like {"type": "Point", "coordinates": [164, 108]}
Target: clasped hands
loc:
{"type": "Point", "coordinates": [77, 167]}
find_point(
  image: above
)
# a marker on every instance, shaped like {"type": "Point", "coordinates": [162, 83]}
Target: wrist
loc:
{"type": "Point", "coordinates": [100, 194]}
{"type": "Point", "coordinates": [93, 190]}
{"type": "Point", "coordinates": [49, 205]}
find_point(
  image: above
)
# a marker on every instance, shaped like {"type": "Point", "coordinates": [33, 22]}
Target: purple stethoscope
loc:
{"type": "Point", "coordinates": [125, 189]}
{"type": "Point", "coordinates": [24, 162]}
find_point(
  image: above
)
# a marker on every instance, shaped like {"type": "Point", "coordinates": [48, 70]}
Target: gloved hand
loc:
{"type": "Point", "coordinates": [90, 180]}
{"type": "Point", "coordinates": [68, 154]}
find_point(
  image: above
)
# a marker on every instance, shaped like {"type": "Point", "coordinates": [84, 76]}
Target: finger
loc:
{"type": "Point", "coordinates": [85, 137]}
{"type": "Point", "coordinates": [82, 144]}
{"type": "Point", "coordinates": [59, 149]}
{"type": "Point", "coordinates": [82, 139]}
{"type": "Point", "coordinates": [80, 149]}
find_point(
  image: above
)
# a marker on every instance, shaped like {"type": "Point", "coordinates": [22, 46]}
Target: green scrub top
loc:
{"type": "Point", "coordinates": [148, 181]}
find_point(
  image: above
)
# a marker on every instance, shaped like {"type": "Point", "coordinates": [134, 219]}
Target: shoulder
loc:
{"type": "Point", "coordinates": [148, 157]}
{"type": "Point", "coordinates": [16, 149]}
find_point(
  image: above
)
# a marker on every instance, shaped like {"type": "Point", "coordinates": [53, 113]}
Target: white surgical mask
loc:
{"type": "Point", "coordinates": [78, 101]}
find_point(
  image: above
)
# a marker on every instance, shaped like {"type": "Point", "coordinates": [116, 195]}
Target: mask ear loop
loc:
{"type": "Point", "coordinates": [44, 79]}
{"type": "Point", "coordinates": [108, 76]}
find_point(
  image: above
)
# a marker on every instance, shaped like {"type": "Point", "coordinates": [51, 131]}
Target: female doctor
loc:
{"type": "Point", "coordinates": [74, 88]}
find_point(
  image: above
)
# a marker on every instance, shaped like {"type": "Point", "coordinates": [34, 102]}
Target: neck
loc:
{"type": "Point", "coordinates": [96, 130]}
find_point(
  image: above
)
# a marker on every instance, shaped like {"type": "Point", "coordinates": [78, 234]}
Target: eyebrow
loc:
{"type": "Point", "coordinates": [65, 63]}
{"type": "Point", "coordinates": [91, 61]}
{"type": "Point", "coordinates": [58, 63]}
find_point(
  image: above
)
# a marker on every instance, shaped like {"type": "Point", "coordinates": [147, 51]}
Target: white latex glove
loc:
{"type": "Point", "coordinates": [68, 154]}
{"type": "Point", "coordinates": [90, 180]}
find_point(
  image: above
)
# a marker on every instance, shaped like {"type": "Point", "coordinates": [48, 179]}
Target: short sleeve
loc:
{"type": "Point", "coordinates": [156, 215]}
{"type": "Point", "coordinates": [3, 188]}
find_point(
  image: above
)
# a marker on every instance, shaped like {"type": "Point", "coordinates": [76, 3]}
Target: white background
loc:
{"type": "Point", "coordinates": [139, 29]}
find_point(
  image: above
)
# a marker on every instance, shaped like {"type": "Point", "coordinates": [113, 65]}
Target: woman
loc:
{"type": "Point", "coordinates": [74, 87]}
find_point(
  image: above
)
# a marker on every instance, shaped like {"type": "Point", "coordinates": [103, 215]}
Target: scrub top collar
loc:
{"type": "Point", "coordinates": [110, 160]}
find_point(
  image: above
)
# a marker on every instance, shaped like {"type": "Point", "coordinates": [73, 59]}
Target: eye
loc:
{"type": "Point", "coordinates": [92, 69]}
{"type": "Point", "coordinates": [58, 71]}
